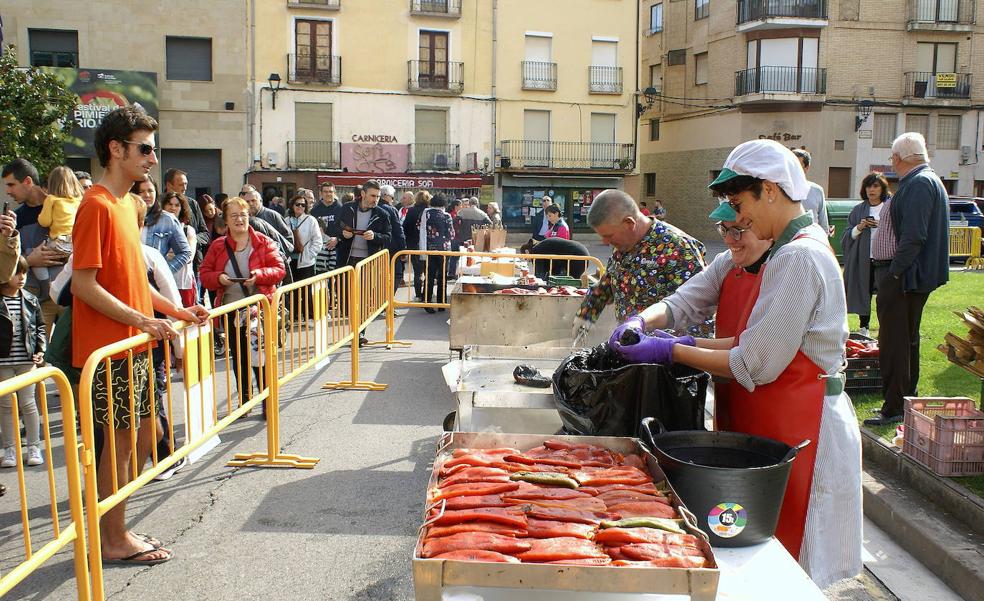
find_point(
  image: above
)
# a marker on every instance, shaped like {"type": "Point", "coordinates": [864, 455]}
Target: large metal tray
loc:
{"type": "Point", "coordinates": [519, 320]}
{"type": "Point", "coordinates": [431, 576]}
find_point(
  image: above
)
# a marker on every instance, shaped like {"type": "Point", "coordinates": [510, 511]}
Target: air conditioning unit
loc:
{"type": "Point", "coordinates": [440, 160]}
{"type": "Point", "coordinates": [965, 154]}
{"type": "Point", "coordinates": [272, 159]}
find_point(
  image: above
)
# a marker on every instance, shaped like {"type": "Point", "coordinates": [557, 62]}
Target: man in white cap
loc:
{"type": "Point", "coordinates": [911, 255]}
{"type": "Point", "coordinates": [785, 360]}
{"type": "Point", "coordinates": [398, 241]}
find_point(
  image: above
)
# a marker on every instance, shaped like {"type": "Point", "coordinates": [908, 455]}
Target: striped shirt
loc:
{"type": "Point", "coordinates": [883, 243]}
{"type": "Point", "coordinates": [18, 350]}
{"type": "Point", "coordinates": [801, 307]}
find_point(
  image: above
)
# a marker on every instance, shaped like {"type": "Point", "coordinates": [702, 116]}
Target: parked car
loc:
{"type": "Point", "coordinates": [966, 211]}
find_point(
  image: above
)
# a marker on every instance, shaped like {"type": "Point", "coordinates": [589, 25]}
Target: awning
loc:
{"type": "Point", "coordinates": [561, 181]}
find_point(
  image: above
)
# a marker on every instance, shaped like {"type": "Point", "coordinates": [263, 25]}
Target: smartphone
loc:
{"type": "Point", "coordinates": [237, 280]}
{"type": "Point", "coordinates": [873, 221]}
{"type": "Point", "coordinates": [6, 205]}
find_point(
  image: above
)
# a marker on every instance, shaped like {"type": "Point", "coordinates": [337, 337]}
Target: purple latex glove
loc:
{"type": "Point", "coordinates": [633, 323]}
{"type": "Point", "coordinates": [652, 349]}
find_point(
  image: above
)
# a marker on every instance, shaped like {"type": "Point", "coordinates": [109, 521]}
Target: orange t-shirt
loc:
{"type": "Point", "coordinates": [106, 238]}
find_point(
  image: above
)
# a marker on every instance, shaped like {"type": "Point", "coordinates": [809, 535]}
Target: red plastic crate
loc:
{"type": "Point", "coordinates": [945, 434]}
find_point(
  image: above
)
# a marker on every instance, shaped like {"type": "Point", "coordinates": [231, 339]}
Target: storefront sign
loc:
{"type": "Point", "coordinates": [375, 158]}
{"type": "Point", "coordinates": [374, 139]}
{"type": "Point", "coordinates": [100, 91]}
{"type": "Point", "coordinates": [780, 136]}
{"type": "Point", "coordinates": [946, 80]}
{"type": "Point", "coordinates": [402, 181]}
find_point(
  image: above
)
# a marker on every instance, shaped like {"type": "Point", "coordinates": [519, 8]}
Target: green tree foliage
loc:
{"type": "Point", "coordinates": [34, 114]}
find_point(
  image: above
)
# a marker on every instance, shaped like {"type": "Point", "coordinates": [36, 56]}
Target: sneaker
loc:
{"type": "Point", "coordinates": [9, 458]}
{"type": "Point", "coordinates": [166, 475]}
{"type": "Point", "coordinates": [34, 455]}
{"type": "Point", "coordinates": [863, 332]}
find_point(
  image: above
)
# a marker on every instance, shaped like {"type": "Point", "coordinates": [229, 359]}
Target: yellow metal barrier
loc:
{"type": "Point", "coordinates": [966, 242]}
{"type": "Point", "coordinates": [370, 295]}
{"type": "Point", "coordinates": [430, 263]}
{"type": "Point", "coordinates": [73, 531]}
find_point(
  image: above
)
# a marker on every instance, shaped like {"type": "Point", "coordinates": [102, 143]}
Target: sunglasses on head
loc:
{"type": "Point", "coordinates": [142, 147]}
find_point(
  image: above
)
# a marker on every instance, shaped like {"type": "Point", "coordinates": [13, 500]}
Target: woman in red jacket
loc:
{"type": "Point", "coordinates": [238, 265]}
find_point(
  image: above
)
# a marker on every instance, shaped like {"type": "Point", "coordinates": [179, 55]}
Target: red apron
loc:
{"type": "Point", "coordinates": [738, 289]}
{"type": "Point", "coordinates": [789, 410]}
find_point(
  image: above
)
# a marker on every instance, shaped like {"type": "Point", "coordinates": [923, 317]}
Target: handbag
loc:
{"type": "Point", "coordinates": [298, 241]}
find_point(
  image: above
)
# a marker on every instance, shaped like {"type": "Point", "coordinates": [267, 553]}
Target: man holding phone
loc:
{"type": "Point", "coordinates": [365, 227]}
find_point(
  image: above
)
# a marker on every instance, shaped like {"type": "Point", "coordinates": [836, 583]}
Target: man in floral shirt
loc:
{"type": "Point", "coordinates": [651, 259]}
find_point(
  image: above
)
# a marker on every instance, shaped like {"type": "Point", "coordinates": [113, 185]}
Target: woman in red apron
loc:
{"type": "Point", "coordinates": [784, 359]}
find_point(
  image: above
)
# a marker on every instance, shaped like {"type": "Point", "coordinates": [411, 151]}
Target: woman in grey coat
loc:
{"type": "Point", "coordinates": [856, 244]}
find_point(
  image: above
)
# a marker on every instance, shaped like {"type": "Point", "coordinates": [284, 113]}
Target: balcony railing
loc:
{"type": "Point", "coordinates": [325, 70]}
{"type": "Point", "coordinates": [440, 8]}
{"type": "Point", "coordinates": [435, 76]}
{"type": "Point", "coordinates": [941, 13]}
{"type": "Point", "coordinates": [782, 80]}
{"type": "Point", "coordinates": [757, 10]}
{"type": "Point", "coordinates": [433, 157]}
{"type": "Point", "coordinates": [922, 84]}
{"type": "Point", "coordinates": [605, 80]}
{"type": "Point", "coordinates": [326, 4]}
{"type": "Point", "coordinates": [45, 58]}
{"type": "Point", "coordinates": [313, 155]}
{"type": "Point", "coordinates": [541, 154]}
{"type": "Point", "coordinates": [539, 76]}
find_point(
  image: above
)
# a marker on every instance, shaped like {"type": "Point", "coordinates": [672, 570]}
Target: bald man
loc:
{"type": "Point", "coordinates": [650, 261]}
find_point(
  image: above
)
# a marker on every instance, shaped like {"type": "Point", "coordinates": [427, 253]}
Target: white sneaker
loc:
{"type": "Point", "coordinates": [863, 331]}
{"type": "Point", "coordinates": [34, 456]}
{"type": "Point", "coordinates": [9, 458]}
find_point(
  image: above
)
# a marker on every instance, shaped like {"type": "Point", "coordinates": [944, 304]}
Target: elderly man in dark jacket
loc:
{"type": "Point", "coordinates": [366, 227]}
{"type": "Point", "coordinates": [398, 240]}
{"type": "Point", "coordinates": [911, 255]}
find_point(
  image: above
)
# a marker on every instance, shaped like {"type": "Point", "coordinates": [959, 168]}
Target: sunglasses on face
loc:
{"type": "Point", "coordinates": [143, 148]}
{"type": "Point", "coordinates": [734, 232]}
{"type": "Point", "coordinates": [303, 205]}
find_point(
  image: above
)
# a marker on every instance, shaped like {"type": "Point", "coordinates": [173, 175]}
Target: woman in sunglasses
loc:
{"type": "Point", "coordinates": [784, 361]}
{"type": "Point", "coordinates": [307, 238]}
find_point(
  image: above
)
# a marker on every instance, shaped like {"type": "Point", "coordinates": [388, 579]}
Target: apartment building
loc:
{"type": "Point", "coordinates": [565, 81]}
{"type": "Point", "coordinates": [840, 79]}
{"type": "Point", "coordinates": [393, 90]}
{"type": "Point", "coordinates": [166, 56]}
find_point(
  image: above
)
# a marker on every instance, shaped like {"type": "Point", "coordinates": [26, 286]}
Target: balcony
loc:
{"type": "Point", "coordinates": [436, 8]}
{"type": "Point", "coordinates": [941, 15]}
{"type": "Point", "coordinates": [540, 155]}
{"type": "Point", "coordinates": [539, 76]}
{"type": "Point", "coordinates": [605, 80]}
{"type": "Point", "coordinates": [433, 157]}
{"type": "Point", "coordinates": [924, 85]}
{"type": "Point", "coordinates": [325, 70]}
{"type": "Point", "coordinates": [435, 77]}
{"type": "Point", "coordinates": [783, 84]}
{"type": "Point", "coordinates": [313, 155]}
{"type": "Point", "coordinates": [780, 14]}
{"type": "Point", "coordinates": [317, 4]}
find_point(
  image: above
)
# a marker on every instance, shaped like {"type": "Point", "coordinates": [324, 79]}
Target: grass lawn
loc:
{"type": "Point", "coordinates": [937, 376]}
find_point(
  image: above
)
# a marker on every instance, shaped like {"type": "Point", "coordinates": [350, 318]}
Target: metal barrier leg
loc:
{"type": "Point", "coordinates": [354, 383]}
{"type": "Point", "coordinates": [390, 340]}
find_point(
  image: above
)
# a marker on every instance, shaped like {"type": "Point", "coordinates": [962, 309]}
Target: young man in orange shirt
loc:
{"type": "Point", "coordinates": [113, 300]}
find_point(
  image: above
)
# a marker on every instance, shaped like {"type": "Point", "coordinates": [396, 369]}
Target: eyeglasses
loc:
{"type": "Point", "coordinates": [734, 232]}
{"type": "Point", "coordinates": [303, 205]}
{"type": "Point", "coordinates": [238, 216]}
{"type": "Point", "coordinates": [143, 148]}
{"type": "Point", "coordinates": [730, 199]}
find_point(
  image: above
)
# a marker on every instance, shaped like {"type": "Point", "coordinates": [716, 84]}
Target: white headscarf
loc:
{"type": "Point", "coordinates": [771, 161]}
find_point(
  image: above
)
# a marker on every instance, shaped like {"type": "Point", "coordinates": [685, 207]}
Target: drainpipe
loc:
{"type": "Point", "coordinates": [635, 94]}
{"type": "Point", "coordinates": [250, 78]}
{"type": "Point", "coordinates": [495, 102]}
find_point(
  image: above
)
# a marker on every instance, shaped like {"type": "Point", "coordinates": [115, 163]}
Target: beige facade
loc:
{"type": "Point", "coordinates": [798, 72]}
{"type": "Point", "coordinates": [202, 120]}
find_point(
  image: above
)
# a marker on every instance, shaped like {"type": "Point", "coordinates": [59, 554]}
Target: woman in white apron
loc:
{"type": "Point", "coordinates": [785, 360]}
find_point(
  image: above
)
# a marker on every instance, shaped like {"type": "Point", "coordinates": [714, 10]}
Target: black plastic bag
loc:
{"type": "Point", "coordinates": [600, 394]}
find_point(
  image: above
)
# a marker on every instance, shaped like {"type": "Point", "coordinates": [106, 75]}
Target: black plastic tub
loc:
{"type": "Point", "coordinates": [734, 483]}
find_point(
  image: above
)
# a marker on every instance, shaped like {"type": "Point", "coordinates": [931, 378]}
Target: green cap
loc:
{"type": "Point", "coordinates": [723, 212]}
{"type": "Point", "coordinates": [722, 177]}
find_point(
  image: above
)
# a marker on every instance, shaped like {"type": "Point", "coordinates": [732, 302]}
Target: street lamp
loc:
{"type": "Point", "coordinates": [864, 111]}
{"type": "Point", "coordinates": [650, 94]}
{"type": "Point", "coordinates": [274, 81]}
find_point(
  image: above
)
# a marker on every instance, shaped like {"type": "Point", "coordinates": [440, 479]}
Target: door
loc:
{"type": "Point", "coordinates": [204, 169]}
{"type": "Point", "coordinates": [839, 183]}
{"type": "Point", "coordinates": [312, 50]}
{"type": "Point", "coordinates": [314, 144]}
{"type": "Point", "coordinates": [603, 149]}
{"type": "Point", "coordinates": [932, 59]}
{"type": "Point", "coordinates": [536, 136]}
{"type": "Point", "coordinates": [604, 70]}
{"type": "Point", "coordinates": [537, 68]}
{"type": "Point", "coordinates": [433, 57]}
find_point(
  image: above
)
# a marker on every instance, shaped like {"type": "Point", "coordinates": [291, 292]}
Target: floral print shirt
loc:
{"type": "Point", "coordinates": [644, 275]}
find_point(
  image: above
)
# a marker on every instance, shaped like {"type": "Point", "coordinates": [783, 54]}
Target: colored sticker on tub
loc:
{"type": "Point", "coordinates": [727, 520]}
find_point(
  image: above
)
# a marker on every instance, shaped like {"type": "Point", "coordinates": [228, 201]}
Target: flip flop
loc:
{"type": "Point", "coordinates": [135, 559]}
{"type": "Point", "coordinates": [150, 540]}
